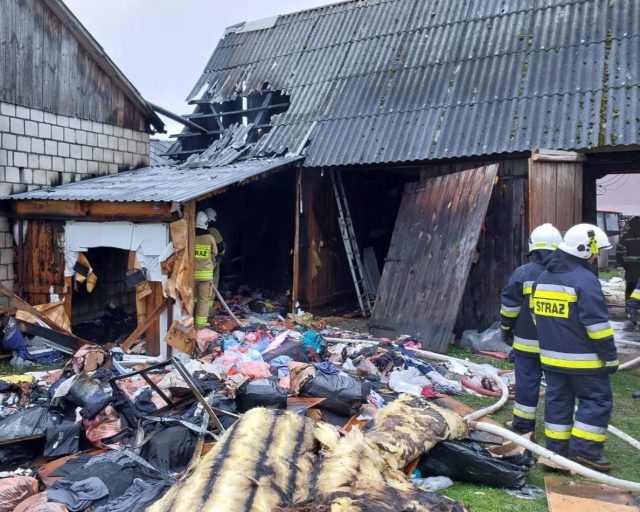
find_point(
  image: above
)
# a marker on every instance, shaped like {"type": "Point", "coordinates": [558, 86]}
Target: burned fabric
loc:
{"type": "Point", "coordinates": [411, 426]}
{"type": "Point", "coordinates": [61, 440]}
{"type": "Point", "coordinates": [271, 459]}
{"type": "Point", "coordinates": [263, 461]}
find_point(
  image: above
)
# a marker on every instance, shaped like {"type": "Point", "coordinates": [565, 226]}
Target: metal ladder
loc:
{"type": "Point", "coordinates": [351, 245]}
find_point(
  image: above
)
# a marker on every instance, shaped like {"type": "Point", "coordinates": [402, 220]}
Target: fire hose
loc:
{"type": "Point", "coordinates": [472, 418]}
{"type": "Point", "coordinates": [561, 461]}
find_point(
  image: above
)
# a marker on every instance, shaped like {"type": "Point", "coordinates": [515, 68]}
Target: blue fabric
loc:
{"type": "Point", "coordinates": [595, 401]}
{"type": "Point", "coordinates": [513, 296]}
{"type": "Point", "coordinates": [14, 341]}
{"type": "Point", "coordinates": [46, 357]}
{"type": "Point", "coordinates": [528, 375]}
{"type": "Point", "coordinates": [569, 335]}
{"type": "Point", "coordinates": [327, 367]}
{"type": "Point", "coordinates": [280, 363]}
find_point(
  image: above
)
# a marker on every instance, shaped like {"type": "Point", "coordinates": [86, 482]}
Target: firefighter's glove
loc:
{"type": "Point", "coordinates": [507, 336]}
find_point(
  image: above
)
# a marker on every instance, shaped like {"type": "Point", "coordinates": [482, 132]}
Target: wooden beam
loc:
{"type": "Point", "coordinates": [92, 209]}
{"type": "Point", "coordinates": [21, 304]}
{"type": "Point", "coordinates": [142, 328]}
{"type": "Point", "coordinates": [190, 216]}
{"type": "Point", "coordinates": [295, 289]}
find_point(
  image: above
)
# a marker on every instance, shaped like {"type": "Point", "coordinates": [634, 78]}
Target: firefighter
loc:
{"type": "Point", "coordinates": [205, 262]}
{"type": "Point", "coordinates": [577, 350]}
{"type": "Point", "coordinates": [518, 329]}
{"type": "Point", "coordinates": [212, 215]}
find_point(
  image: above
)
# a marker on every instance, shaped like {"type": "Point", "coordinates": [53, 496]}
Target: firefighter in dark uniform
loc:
{"type": "Point", "coordinates": [577, 350]}
{"type": "Point", "coordinates": [518, 329]}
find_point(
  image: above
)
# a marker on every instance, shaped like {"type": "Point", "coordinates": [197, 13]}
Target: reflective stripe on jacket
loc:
{"type": "Point", "coordinates": [205, 257]}
{"type": "Point", "coordinates": [514, 310]}
{"type": "Point", "coordinates": [571, 317]}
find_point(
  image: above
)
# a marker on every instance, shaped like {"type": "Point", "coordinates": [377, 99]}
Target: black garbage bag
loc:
{"type": "Point", "coordinates": [226, 404]}
{"type": "Point", "coordinates": [261, 393]}
{"type": "Point", "coordinates": [468, 462]}
{"type": "Point", "coordinates": [90, 394]}
{"type": "Point", "coordinates": [62, 439]}
{"type": "Point", "coordinates": [171, 449]}
{"type": "Point", "coordinates": [344, 394]}
{"type": "Point", "coordinates": [31, 422]}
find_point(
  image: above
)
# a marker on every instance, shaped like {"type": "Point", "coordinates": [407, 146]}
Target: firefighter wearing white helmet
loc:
{"type": "Point", "coordinates": [215, 233]}
{"type": "Point", "coordinates": [577, 350]}
{"type": "Point", "coordinates": [518, 329]}
{"type": "Point", "coordinates": [205, 262]}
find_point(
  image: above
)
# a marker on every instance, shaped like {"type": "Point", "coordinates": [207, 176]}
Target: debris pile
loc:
{"type": "Point", "coordinates": [268, 412]}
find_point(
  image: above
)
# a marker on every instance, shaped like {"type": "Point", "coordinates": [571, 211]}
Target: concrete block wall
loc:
{"type": "Point", "coordinates": [39, 149]}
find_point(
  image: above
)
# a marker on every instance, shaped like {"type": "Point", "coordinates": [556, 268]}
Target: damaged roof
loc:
{"type": "Point", "coordinates": [406, 80]}
{"type": "Point", "coordinates": [161, 184]}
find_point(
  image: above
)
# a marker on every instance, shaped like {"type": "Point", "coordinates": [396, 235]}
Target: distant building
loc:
{"type": "Point", "coordinates": [620, 192]}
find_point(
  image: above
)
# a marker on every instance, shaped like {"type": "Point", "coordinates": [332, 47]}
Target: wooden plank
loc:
{"type": "Point", "coordinates": [142, 328]}
{"type": "Point", "coordinates": [189, 214]}
{"type": "Point", "coordinates": [21, 304]}
{"type": "Point", "coordinates": [97, 209]}
{"type": "Point", "coordinates": [295, 289]}
{"type": "Point", "coordinates": [574, 496]}
{"type": "Point", "coordinates": [430, 256]}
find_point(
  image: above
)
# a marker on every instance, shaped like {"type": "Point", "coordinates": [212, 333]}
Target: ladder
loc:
{"type": "Point", "coordinates": [351, 245]}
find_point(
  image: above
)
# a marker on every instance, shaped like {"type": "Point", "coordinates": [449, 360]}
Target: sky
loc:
{"type": "Point", "coordinates": [162, 46]}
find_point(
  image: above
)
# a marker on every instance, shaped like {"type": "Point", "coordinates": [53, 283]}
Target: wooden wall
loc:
{"type": "Point", "coordinates": [43, 66]}
{"type": "Point", "coordinates": [40, 261]}
{"type": "Point", "coordinates": [555, 190]}
{"type": "Point", "coordinates": [502, 245]}
{"type": "Point", "coordinates": [324, 271]}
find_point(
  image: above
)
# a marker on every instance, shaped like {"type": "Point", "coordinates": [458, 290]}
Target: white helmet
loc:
{"type": "Point", "coordinates": [584, 240]}
{"type": "Point", "coordinates": [202, 221]}
{"type": "Point", "coordinates": [544, 238]}
{"type": "Point", "coordinates": [211, 214]}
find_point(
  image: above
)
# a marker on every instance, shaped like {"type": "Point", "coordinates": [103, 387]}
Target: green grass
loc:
{"type": "Point", "coordinates": [7, 369]}
{"type": "Point", "coordinates": [626, 460]}
{"type": "Point", "coordinates": [607, 274]}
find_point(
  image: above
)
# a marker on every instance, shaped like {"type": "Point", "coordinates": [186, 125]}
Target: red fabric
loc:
{"type": "Point", "coordinates": [428, 393]}
{"type": "Point", "coordinates": [255, 369]}
{"type": "Point", "coordinates": [16, 489]}
{"type": "Point", "coordinates": [495, 355]}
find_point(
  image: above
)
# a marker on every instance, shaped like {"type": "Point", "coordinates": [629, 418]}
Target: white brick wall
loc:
{"type": "Point", "coordinates": [40, 149]}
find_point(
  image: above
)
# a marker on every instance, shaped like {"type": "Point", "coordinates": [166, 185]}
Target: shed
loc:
{"type": "Point", "coordinates": [448, 128]}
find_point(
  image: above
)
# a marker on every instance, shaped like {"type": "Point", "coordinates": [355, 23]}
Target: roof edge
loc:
{"type": "Point", "coordinates": [66, 16]}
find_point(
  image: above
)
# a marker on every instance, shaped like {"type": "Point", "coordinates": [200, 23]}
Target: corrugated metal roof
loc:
{"type": "Point", "coordinates": [163, 184]}
{"type": "Point", "coordinates": [157, 150]}
{"type": "Point", "coordinates": [401, 80]}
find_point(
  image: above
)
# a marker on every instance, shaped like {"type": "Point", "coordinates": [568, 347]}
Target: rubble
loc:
{"type": "Point", "coordinates": [273, 410]}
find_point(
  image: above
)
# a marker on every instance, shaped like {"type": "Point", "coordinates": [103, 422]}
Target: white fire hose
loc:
{"type": "Point", "coordinates": [532, 447]}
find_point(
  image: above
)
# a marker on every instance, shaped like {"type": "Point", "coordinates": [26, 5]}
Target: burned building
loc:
{"type": "Point", "coordinates": [66, 111]}
{"type": "Point", "coordinates": [445, 130]}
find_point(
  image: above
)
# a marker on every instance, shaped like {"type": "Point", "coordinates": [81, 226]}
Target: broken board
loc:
{"type": "Point", "coordinates": [430, 256]}
{"type": "Point", "coordinates": [571, 496]}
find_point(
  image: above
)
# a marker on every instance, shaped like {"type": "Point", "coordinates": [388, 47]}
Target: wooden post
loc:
{"type": "Point", "coordinates": [189, 213]}
{"type": "Point", "coordinates": [295, 292]}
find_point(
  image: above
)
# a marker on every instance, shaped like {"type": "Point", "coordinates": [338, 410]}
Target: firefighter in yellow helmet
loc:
{"type": "Point", "coordinates": [206, 251]}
